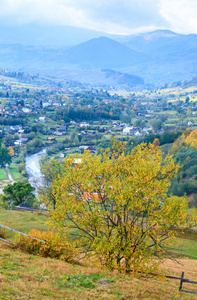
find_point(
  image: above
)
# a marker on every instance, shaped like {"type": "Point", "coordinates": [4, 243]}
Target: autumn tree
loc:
{"type": "Point", "coordinates": [119, 207]}
{"type": "Point", "coordinates": [156, 142]}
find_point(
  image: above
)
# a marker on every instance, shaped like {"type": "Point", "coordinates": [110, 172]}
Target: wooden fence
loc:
{"type": "Point", "coordinates": [182, 280]}
{"type": "Point", "coordinates": [10, 229]}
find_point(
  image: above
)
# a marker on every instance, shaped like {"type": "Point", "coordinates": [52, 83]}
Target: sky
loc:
{"type": "Point", "coordinates": [111, 16]}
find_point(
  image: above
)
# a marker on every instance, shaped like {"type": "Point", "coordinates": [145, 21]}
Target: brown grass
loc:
{"type": "Point", "coordinates": [25, 276]}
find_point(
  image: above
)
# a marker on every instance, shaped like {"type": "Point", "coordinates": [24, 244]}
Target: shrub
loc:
{"type": "Point", "coordinates": [55, 245]}
{"type": "Point", "coordinates": [2, 233]}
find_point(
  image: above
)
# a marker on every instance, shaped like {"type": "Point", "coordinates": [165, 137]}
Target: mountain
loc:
{"type": "Point", "coordinates": [162, 42]}
{"type": "Point", "coordinates": [103, 52]}
{"type": "Point", "coordinates": [173, 56]}
{"type": "Point", "coordinates": [161, 56]}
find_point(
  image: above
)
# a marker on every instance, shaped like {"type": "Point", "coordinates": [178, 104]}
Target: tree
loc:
{"type": "Point", "coordinates": [156, 142]}
{"type": "Point", "coordinates": [51, 170]}
{"type": "Point", "coordinates": [19, 192]}
{"type": "Point", "coordinates": [5, 157]}
{"type": "Point", "coordinates": [118, 203]}
{"type": "Point", "coordinates": [11, 150]}
{"type": "Point", "coordinates": [157, 125]}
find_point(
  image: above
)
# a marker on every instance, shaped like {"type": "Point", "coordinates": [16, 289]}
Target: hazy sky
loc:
{"type": "Point", "coordinates": [113, 16]}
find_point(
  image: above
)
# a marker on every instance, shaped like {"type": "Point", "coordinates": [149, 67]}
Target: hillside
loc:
{"type": "Point", "coordinates": [26, 276]}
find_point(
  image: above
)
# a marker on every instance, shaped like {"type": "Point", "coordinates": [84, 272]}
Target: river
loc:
{"type": "Point", "coordinates": [33, 168]}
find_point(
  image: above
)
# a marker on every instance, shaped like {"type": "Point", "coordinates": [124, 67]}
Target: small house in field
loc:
{"type": "Point", "coordinates": [51, 139]}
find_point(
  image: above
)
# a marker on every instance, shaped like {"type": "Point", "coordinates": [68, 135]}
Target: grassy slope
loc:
{"type": "Point", "coordinates": [185, 245]}
{"type": "Point", "coordinates": [25, 276]}
{"type": "Point", "coordinates": [22, 221]}
{"type": "Point", "coordinates": [14, 172]}
{"type": "Point", "coordinates": [3, 174]}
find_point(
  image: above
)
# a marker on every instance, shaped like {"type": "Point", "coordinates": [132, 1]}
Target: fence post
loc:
{"type": "Point", "coordinates": [181, 283]}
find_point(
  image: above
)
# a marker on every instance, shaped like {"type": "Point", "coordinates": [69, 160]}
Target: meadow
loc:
{"type": "Point", "coordinates": [28, 276]}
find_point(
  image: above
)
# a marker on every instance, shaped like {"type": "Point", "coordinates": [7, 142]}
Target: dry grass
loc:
{"type": "Point", "coordinates": [25, 276]}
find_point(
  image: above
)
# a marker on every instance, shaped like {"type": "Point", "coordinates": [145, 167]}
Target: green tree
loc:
{"type": "Point", "coordinates": [51, 170]}
{"type": "Point", "coordinates": [19, 192]}
{"type": "Point", "coordinates": [157, 125]}
{"type": "Point", "coordinates": [119, 205]}
{"type": "Point", "coordinates": [5, 157]}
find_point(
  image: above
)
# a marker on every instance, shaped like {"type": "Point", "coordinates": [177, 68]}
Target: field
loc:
{"type": "Point", "coordinates": [22, 221]}
{"type": "Point", "coordinates": [14, 172]}
{"type": "Point", "coordinates": [184, 245]}
{"type": "Point", "coordinates": [25, 276]}
{"type": "Point", "coordinates": [3, 174]}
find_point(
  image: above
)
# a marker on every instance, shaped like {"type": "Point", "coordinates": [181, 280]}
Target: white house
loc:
{"type": "Point", "coordinates": [84, 124]}
{"type": "Point", "coordinates": [42, 119]}
{"type": "Point", "coordinates": [127, 130]}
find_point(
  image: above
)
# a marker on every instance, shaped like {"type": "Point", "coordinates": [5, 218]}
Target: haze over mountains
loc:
{"type": "Point", "coordinates": [84, 55]}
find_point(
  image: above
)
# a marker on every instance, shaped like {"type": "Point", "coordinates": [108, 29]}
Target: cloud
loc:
{"type": "Point", "coordinates": [114, 16]}
{"type": "Point", "coordinates": [181, 15]}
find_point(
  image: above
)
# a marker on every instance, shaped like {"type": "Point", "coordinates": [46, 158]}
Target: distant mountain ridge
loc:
{"type": "Point", "coordinates": [162, 42]}
{"type": "Point", "coordinates": [161, 56]}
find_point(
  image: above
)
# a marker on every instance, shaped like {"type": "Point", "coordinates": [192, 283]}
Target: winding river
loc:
{"type": "Point", "coordinates": [33, 168]}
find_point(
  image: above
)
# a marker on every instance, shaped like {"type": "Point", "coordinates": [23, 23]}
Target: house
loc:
{"type": "Point", "coordinates": [76, 161]}
{"type": "Point", "coordinates": [127, 130]}
{"type": "Point", "coordinates": [21, 131]}
{"type": "Point", "coordinates": [21, 141]}
{"type": "Point", "coordinates": [62, 128]}
{"type": "Point", "coordinates": [45, 104]}
{"type": "Point", "coordinates": [84, 124]}
{"type": "Point", "coordinates": [83, 147]}
{"type": "Point", "coordinates": [51, 139]}
{"type": "Point", "coordinates": [57, 133]}
{"type": "Point", "coordinates": [42, 119]}
{"type": "Point", "coordinates": [92, 149]}
{"type": "Point", "coordinates": [56, 104]}
{"type": "Point", "coordinates": [137, 133]}
{"type": "Point", "coordinates": [90, 196]}
{"type": "Point", "coordinates": [26, 110]}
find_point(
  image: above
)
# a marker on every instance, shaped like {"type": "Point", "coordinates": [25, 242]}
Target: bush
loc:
{"type": "Point", "coordinates": [2, 233]}
{"type": "Point", "coordinates": [56, 246]}
{"type": "Point", "coordinates": [21, 167]}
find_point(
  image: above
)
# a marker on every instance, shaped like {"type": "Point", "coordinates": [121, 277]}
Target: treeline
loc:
{"type": "Point", "coordinates": [12, 121]}
{"type": "Point", "coordinates": [80, 114]}
{"type": "Point", "coordinates": [186, 181]}
{"type": "Point", "coordinates": [166, 137]}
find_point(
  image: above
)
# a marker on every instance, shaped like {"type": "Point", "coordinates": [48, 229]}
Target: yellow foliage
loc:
{"type": "Point", "coordinates": [11, 150]}
{"type": "Point", "coordinates": [55, 246]}
{"type": "Point", "coordinates": [119, 205]}
{"type": "Point", "coordinates": [192, 139]}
